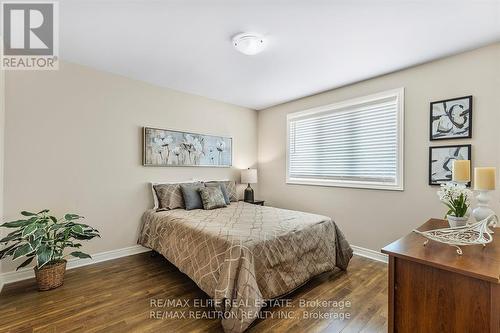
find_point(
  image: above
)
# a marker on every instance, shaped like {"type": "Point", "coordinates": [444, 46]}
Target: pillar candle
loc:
{"type": "Point", "coordinates": [484, 178]}
{"type": "Point", "coordinates": [461, 171]}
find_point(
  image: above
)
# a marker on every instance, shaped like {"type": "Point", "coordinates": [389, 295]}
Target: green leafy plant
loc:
{"type": "Point", "coordinates": [44, 237]}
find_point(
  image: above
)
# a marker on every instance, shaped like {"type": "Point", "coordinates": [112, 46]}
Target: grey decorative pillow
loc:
{"type": "Point", "coordinates": [222, 187]}
{"type": "Point", "coordinates": [212, 197]}
{"type": "Point", "coordinates": [192, 199]}
{"type": "Point", "coordinates": [230, 188]}
{"type": "Point", "coordinates": [169, 196]}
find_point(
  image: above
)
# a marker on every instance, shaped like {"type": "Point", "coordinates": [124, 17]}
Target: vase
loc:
{"type": "Point", "coordinates": [454, 221]}
{"type": "Point", "coordinates": [51, 275]}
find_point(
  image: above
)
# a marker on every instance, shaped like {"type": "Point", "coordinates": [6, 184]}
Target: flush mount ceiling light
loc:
{"type": "Point", "coordinates": [249, 43]}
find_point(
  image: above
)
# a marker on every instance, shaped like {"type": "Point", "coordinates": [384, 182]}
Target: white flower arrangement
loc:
{"type": "Point", "coordinates": [456, 197]}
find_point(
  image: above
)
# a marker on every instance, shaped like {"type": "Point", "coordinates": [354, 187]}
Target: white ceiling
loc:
{"type": "Point", "coordinates": [313, 45]}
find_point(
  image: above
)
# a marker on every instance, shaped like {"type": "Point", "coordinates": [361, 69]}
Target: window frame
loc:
{"type": "Point", "coordinates": [336, 107]}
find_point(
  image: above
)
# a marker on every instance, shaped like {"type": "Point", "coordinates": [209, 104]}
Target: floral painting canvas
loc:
{"type": "Point", "coordinates": [441, 162]}
{"type": "Point", "coordinates": [172, 148]}
{"type": "Point", "coordinates": [451, 119]}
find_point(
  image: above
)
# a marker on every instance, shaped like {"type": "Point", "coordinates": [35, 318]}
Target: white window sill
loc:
{"type": "Point", "coordinates": [348, 184]}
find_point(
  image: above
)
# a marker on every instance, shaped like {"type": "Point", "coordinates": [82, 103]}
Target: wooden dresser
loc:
{"type": "Point", "coordinates": [433, 289]}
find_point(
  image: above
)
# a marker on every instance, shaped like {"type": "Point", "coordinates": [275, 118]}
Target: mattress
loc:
{"type": "Point", "coordinates": [245, 254]}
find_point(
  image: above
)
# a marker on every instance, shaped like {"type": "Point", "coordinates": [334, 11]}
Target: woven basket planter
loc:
{"type": "Point", "coordinates": [50, 276]}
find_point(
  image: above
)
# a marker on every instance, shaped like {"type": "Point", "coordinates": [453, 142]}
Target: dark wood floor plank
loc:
{"type": "Point", "coordinates": [115, 296]}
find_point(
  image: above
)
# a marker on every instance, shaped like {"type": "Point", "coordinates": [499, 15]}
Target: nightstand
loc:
{"type": "Point", "coordinates": [256, 202]}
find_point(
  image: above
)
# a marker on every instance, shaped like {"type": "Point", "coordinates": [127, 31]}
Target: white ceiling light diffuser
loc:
{"type": "Point", "coordinates": [249, 43]}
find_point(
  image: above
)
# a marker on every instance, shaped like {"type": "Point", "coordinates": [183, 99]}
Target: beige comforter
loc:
{"type": "Point", "coordinates": [244, 254]}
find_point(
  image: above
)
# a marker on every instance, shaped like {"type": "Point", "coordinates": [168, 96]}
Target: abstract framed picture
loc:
{"type": "Point", "coordinates": [164, 147]}
{"type": "Point", "coordinates": [441, 162]}
{"type": "Point", "coordinates": [451, 119]}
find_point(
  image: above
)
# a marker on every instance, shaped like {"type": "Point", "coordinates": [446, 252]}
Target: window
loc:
{"type": "Point", "coordinates": [355, 143]}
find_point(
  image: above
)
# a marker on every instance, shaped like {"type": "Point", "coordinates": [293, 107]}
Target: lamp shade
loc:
{"type": "Point", "coordinates": [249, 176]}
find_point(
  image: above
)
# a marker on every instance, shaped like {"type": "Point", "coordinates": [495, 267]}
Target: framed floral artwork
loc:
{"type": "Point", "coordinates": [164, 147]}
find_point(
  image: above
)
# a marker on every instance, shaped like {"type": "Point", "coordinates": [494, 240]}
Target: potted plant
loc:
{"type": "Point", "coordinates": [457, 198]}
{"type": "Point", "coordinates": [43, 237]}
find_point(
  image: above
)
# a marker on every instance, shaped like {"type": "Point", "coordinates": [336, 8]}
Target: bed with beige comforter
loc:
{"type": "Point", "coordinates": [244, 254]}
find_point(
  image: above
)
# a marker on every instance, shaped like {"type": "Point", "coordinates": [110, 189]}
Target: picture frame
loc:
{"type": "Point", "coordinates": [172, 148]}
{"type": "Point", "coordinates": [451, 119]}
{"type": "Point", "coordinates": [441, 161]}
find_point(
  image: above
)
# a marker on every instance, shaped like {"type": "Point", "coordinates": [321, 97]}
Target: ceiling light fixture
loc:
{"type": "Point", "coordinates": [249, 43]}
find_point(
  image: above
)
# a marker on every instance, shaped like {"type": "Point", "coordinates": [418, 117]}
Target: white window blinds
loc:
{"type": "Point", "coordinates": [356, 143]}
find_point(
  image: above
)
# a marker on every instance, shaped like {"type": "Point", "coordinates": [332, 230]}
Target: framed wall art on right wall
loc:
{"type": "Point", "coordinates": [441, 162]}
{"type": "Point", "coordinates": [451, 119]}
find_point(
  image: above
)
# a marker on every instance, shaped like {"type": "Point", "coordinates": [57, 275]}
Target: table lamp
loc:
{"type": "Point", "coordinates": [249, 176]}
{"type": "Point", "coordinates": [484, 181]}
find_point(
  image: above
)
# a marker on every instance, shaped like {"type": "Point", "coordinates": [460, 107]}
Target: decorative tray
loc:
{"type": "Point", "coordinates": [478, 233]}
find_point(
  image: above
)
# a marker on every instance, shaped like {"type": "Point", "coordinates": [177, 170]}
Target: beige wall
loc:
{"type": "Point", "coordinates": [2, 135]}
{"type": "Point", "coordinates": [74, 144]}
{"type": "Point", "coordinates": [373, 218]}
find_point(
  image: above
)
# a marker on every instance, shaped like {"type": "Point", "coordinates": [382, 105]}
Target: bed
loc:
{"type": "Point", "coordinates": [244, 254]}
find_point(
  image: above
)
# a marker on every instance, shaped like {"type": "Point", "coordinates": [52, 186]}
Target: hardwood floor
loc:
{"type": "Point", "coordinates": [116, 296]}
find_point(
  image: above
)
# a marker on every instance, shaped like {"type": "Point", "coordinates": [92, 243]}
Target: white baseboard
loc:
{"type": "Point", "coordinates": [28, 273]}
{"type": "Point", "coordinates": [370, 254]}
